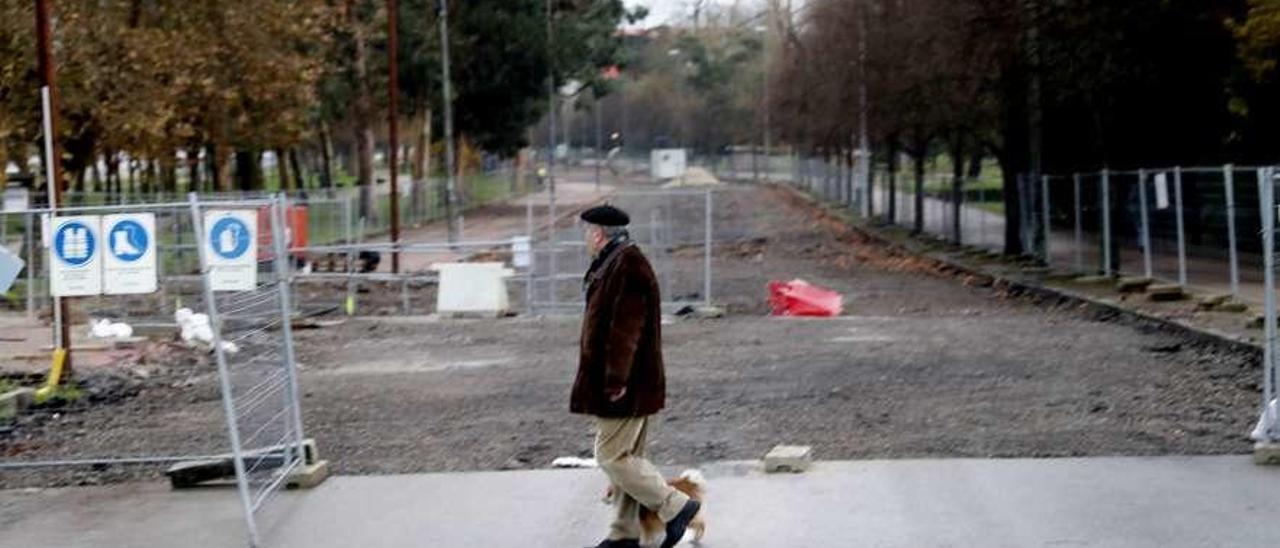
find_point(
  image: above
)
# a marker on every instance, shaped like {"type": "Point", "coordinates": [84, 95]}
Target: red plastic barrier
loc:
{"type": "Point", "coordinates": [800, 298]}
{"type": "Point", "coordinates": [297, 217]}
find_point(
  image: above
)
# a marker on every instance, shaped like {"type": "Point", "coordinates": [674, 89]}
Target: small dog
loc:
{"type": "Point", "coordinates": [690, 482]}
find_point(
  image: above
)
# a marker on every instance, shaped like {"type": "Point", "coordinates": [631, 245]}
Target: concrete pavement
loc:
{"type": "Point", "coordinates": [1098, 502]}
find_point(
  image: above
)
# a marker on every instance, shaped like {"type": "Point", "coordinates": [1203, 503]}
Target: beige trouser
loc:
{"type": "Point", "coordinates": [620, 454]}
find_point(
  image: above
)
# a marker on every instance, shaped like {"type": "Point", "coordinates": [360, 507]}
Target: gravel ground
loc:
{"type": "Point", "coordinates": [922, 365]}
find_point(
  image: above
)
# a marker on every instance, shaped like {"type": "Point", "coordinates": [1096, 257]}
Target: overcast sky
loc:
{"type": "Point", "coordinates": [660, 11]}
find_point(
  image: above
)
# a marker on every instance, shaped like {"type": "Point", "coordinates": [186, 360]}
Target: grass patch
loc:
{"type": "Point", "coordinates": [62, 394]}
{"type": "Point", "coordinates": [7, 385]}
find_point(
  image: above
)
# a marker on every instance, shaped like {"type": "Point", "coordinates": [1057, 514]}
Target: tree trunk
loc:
{"type": "Point", "coordinates": [893, 179]}
{"type": "Point", "coordinates": [193, 169]}
{"type": "Point", "coordinates": [364, 169]}
{"type": "Point", "coordinates": [919, 155]}
{"type": "Point", "coordinates": [295, 168]}
{"type": "Point", "coordinates": [284, 178]}
{"type": "Point", "coordinates": [249, 170]}
{"type": "Point", "coordinates": [1012, 207]}
{"type": "Point", "coordinates": [957, 187]}
{"type": "Point", "coordinates": [95, 172]}
{"type": "Point", "coordinates": [222, 172]}
{"type": "Point", "coordinates": [363, 123]}
{"type": "Point", "coordinates": [326, 156]}
{"type": "Point", "coordinates": [133, 178]}
{"type": "Point", "coordinates": [113, 173]}
{"type": "Point", "coordinates": [169, 173]}
{"type": "Point", "coordinates": [975, 165]}
{"type": "Point", "coordinates": [421, 164]}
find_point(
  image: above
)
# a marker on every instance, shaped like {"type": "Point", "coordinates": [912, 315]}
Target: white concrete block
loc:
{"type": "Point", "coordinates": [472, 288]}
{"type": "Point", "coordinates": [788, 458]}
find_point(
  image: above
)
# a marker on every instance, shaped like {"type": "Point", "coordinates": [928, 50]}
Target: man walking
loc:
{"type": "Point", "coordinates": [620, 378]}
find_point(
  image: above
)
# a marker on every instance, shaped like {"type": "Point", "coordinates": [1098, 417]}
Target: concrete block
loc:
{"type": "Point", "coordinates": [312, 470]}
{"type": "Point", "coordinates": [1266, 454]}
{"type": "Point", "coordinates": [1213, 302]}
{"type": "Point", "coordinates": [1258, 321]}
{"type": "Point", "coordinates": [788, 458]}
{"type": "Point", "coordinates": [1133, 285]}
{"type": "Point", "coordinates": [1232, 306]}
{"type": "Point", "coordinates": [16, 401]}
{"type": "Point", "coordinates": [708, 312]}
{"type": "Point", "coordinates": [479, 288]}
{"type": "Point", "coordinates": [1165, 293]}
{"type": "Point", "coordinates": [307, 476]}
{"type": "Point", "coordinates": [158, 331]}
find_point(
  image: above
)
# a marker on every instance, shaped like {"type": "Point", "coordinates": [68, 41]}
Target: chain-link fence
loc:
{"type": "Point", "coordinates": [250, 317]}
{"type": "Point", "coordinates": [230, 350]}
{"type": "Point", "coordinates": [1191, 226]}
{"type": "Point", "coordinates": [1268, 428]}
{"type": "Point", "coordinates": [673, 227]}
{"type": "Point", "coordinates": [316, 217]}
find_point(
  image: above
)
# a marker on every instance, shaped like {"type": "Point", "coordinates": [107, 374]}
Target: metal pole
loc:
{"type": "Point", "coordinates": [393, 138]}
{"type": "Point", "coordinates": [1146, 223]}
{"type": "Point", "coordinates": [1228, 177]}
{"type": "Point", "coordinates": [31, 265]}
{"type": "Point", "coordinates": [706, 253]}
{"type": "Point", "coordinates": [1044, 216]}
{"type": "Point", "coordinates": [284, 283]}
{"type": "Point", "coordinates": [451, 182]}
{"type": "Point", "coordinates": [1266, 189]}
{"type": "Point", "coordinates": [1106, 222]}
{"type": "Point", "coordinates": [54, 184]}
{"type": "Point", "coordinates": [224, 374]}
{"type": "Point", "coordinates": [1079, 232]}
{"type": "Point", "coordinates": [1182, 240]}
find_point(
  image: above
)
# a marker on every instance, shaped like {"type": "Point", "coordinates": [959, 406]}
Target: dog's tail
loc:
{"type": "Point", "coordinates": [694, 476]}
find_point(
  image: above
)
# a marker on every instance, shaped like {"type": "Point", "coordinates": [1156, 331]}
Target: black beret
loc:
{"type": "Point", "coordinates": [606, 215]}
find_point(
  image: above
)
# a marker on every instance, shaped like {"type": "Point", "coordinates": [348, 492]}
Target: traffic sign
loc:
{"type": "Point", "coordinates": [129, 257]}
{"type": "Point", "coordinates": [75, 262]}
{"type": "Point", "coordinates": [231, 249]}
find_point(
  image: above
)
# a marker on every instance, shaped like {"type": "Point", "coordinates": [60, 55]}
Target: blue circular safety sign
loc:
{"type": "Point", "coordinates": [128, 240]}
{"type": "Point", "coordinates": [229, 238]}
{"type": "Point", "coordinates": [74, 244]}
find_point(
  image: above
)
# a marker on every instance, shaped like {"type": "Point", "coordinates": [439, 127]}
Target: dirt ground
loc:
{"type": "Point", "coordinates": [921, 365]}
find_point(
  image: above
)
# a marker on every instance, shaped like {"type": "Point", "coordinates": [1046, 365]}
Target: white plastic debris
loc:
{"type": "Point", "coordinates": [106, 329]}
{"type": "Point", "coordinates": [573, 462]}
{"type": "Point", "coordinates": [1267, 428]}
{"type": "Point", "coordinates": [195, 327]}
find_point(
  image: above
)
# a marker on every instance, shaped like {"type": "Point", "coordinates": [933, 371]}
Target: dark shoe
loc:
{"type": "Point", "coordinates": [624, 543]}
{"type": "Point", "coordinates": [678, 524]}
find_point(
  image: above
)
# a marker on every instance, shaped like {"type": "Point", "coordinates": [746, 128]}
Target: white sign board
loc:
{"type": "Point", "coordinates": [231, 246]}
{"type": "Point", "coordinates": [16, 199]}
{"type": "Point", "coordinates": [76, 256]}
{"type": "Point", "coordinates": [1162, 191]}
{"type": "Point", "coordinates": [129, 254]}
{"type": "Point", "coordinates": [667, 163]}
{"type": "Point", "coordinates": [10, 266]}
{"type": "Point", "coordinates": [521, 256]}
